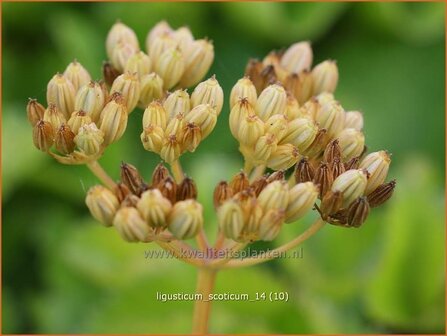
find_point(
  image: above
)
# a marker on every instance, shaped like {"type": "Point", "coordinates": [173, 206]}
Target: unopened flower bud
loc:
{"type": "Point", "coordinates": [139, 63]}
{"type": "Point", "coordinates": [187, 189]}
{"type": "Point", "coordinates": [130, 225]}
{"type": "Point", "coordinates": [186, 219]}
{"type": "Point", "coordinates": [381, 194]}
{"type": "Point", "coordinates": [90, 99]}
{"type": "Point", "coordinates": [253, 72]}
{"type": "Point", "coordinates": [54, 116]}
{"type": "Point", "coordinates": [190, 137]}
{"type": "Point", "coordinates": [113, 119]}
{"type": "Point", "coordinates": [377, 165]}
{"type": "Point", "coordinates": [354, 119]}
{"type": "Point", "coordinates": [175, 126]}
{"type": "Point", "coordinates": [284, 157]}
{"type": "Point", "coordinates": [161, 28]}
{"type": "Point", "coordinates": [298, 57]}
{"type": "Point", "coordinates": [300, 85]}
{"type": "Point", "coordinates": [358, 212]}
{"type": "Point", "coordinates": [120, 33]}
{"type": "Point", "coordinates": [301, 199]}
{"type": "Point", "coordinates": [275, 195]}
{"type": "Point", "coordinates": [331, 203]}
{"type": "Point", "coordinates": [109, 73]}
{"type": "Point", "coordinates": [272, 100]}
{"type": "Point", "coordinates": [155, 114]}
{"type": "Point", "coordinates": [102, 204]}
{"type": "Point", "coordinates": [270, 224]}
{"type": "Point", "coordinates": [151, 88]}
{"type": "Point", "coordinates": [303, 171]}
{"type": "Point", "coordinates": [177, 103]}
{"type": "Point", "coordinates": [170, 66]}
{"type": "Point", "coordinates": [154, 208]}
{"type": "Point", "coordinates": [331, 116]}
{"type": "Point", "coordinates": [352, 143]}
{"type": "Point", "coordinates": [129, 86]}
{"type": "Point", "coordinates": [239, 182]}
{"type": "Point", "coordinates": [352, 184]}
{"type": "Point", "coordinates": [231, 219]}
{"type": "Point", "coordinates": [34, 111]}
{"type": "Point", "coordinates": [325, 77]}
{"type": "Point", "coordinates": [250, 130]}
{"type": "Point", "coordinates": [153, 138]}
{"type": "Point", "coordinates": [323, 178]}
{"type": "Point", "coordinates": [310, 108]}
{"type": "Point", "coordinates": [43, 135]}
{"type": "Point", "coordinates": [325, 97]}
{"type": "Point", "coordinates": [198, 61]}
{"type": "Point", "coordinates": [277, 125]}
{"type": "Point", "coordinates": [77, 75]}
{"type": "Point", "coordinates": [292, 107]}
{"type": "Point", "coordinates": [203, 116]}
{"type": "Point", "coordinates": [121, 54]}
{"type": "Point", "coordinates": [184, 38]}
{"type": "Point", "coordinates": [77, 120]}
{"type": "Point", "coordinates": [244, 88]}
{"type": "Point", "coordinates": [240, 111]}
{"type": "Point", "coordinates": [160, 44]}
{"type": "Point", "coordinates": [171, 150]}
{"type": "Point", "coordinates": [64, 140]}
{"type": "Point", "coordinates": [208, 92]}
{"type": "Point", "coordinates": [265, 146]}
{"type": "Point", "coordinates": [301, 133]}
{"type": "Point", "coordinates": [131, 177]}
{"type": "Point", "coordinates": [61, 92]}
{"type": "Point", "coordinates": [318, 145]}
{"type": "Point", "coordinates": [259, 184]}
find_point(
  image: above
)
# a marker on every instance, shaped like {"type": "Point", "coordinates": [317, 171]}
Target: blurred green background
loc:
{"type": "Point", "coordinates": [64, 273]}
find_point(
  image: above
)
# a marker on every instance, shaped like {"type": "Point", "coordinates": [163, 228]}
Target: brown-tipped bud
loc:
{"type": "Point", "coordinates": [381, 194]}
{"type": "Point", "coordinates": [184, 38]}
{"type": "Point", "coordinates": [310, 108]}
{"type": "Point", "coordinates": [265, 146]}
{"type": "Point", "coordinates": [90, 99]}
{"type": "Point", "coordinates": [204, 116]}
{"type": "Point", "coordinates": [323, 178]}
{"type": "Point", "coordinates": [197, 62]}
{"type": "Point", "coordinates": [325, 77]}
{"type": "Point", "coordinates": [244, 88]}
{"type": "Point", "coordinates": [161, 28]}
{"type": "Point", "coordinates": [318, 145]}
{"type": "Point", "coordinates": [279, 175]}
{"type": "Point", "coordinates": [353, 163]}
{"type": "Point", "coordinates": [160, 44]}
{"type": "Point", "coordinates": [270, 224]}
{"type": "Point", "coordinates": [231, 219]}
{"type": "Point", "coordinates": [151, 89]}
{"type": "Point", "coordinates": [298, 57]}
{"type": "Point", "coordinates": [275, 195]}
{"type": "Point", "coordinates": [159, 174]}
{"type": "Point", "coordinates": [129, 86]}
{"type": "Point", "coordinates": [259, 184]}
{"type": "Point", "coordinates": [109, 73]}
{"type": "Point", "coordinates": [186, 219]}
{"type": "Point", "coordinates": [154, 208]}
{"type": "Point", "coordinates": [131, 177]}
{"type": "Point", "coordinates": [358, 212]}
{"type": "Point", "coordinates": [139, 63]}
{"type": "Point", "coordinates": [268, 76]}
{"type": "Point", "coordinates": [250, 130]}
{"type": "Point", "coordinates": [43, 135]}
{"type": "Point", "coordinates": [332, 151]}
{"type": "Point", "coordinates": [301, 199]}
{"type": "Point", "coordinates": [89, 139]}
{"type": "Point", "coordinates": [130, 225]}
{"type": "Point", "coordinates": [77, 75]}
{"type": "Point", "coordinates": [331, 203]}
{"type": "Point", "coordinates": [304, 172]}
{"type": "Point", "coordinates": [222, 192]}
{"type": "Point", "coordinates": [239, 112]}
{"type": "Point", "coordinates": [187, 189]}
{"type": "Point", "coordinates": [155, 114]}
{"type": "Point", "coordinates": [102, 204]}
{"type": "Point", "coordinates": [130, 201]}
{"type": "Point", "coordinates": [377, 165]}
{"type": "Point", "coordinates": [301, 86]}
{"type": "Point", "coordinates": [284, 157]}
{"type": "Point", "coordinates": [171, 150]}
{"type": "Point", "coordinates": [153, 138]}
{"type": "Point", "coordinates": [177, 103]}
{"type": "Point", "coordinates": [113, 119]}
{"type": "Point", "coordinates": [121, 191]}
{"type": "Point", "coordinates": [190, 137]}
{"type": "Point", "coordinates": [277, 125]}
{"type": "Point", "coordinates": [337, 168]}
{"type": "Point", "coordinates": [352, 184]}
{"type": "Point", "coordinates": [239, 182]}
{"type": "Point", "coordinates": [120, 32]}
{"type": "Point", "coordinates": [64, 140]}
{"type": "Point", "coordinates": [352, 143]}
{"type": "Point", "coordinates": [121, 54]}
{"type": "Point", "coordinates": [301, 133]}
{"type": "Point", "coordinates": [168, 189]}
{"type": "Point", "coordinates": [170, 66]}
{"type": "Point", "coordinates": [208, 92]}
{"type": "Point", "coordinates": [354, 119]}
{"type": "Point", "coordinates": [331, 116]}
{"type": "Point", "coordinates": [253, 71]}
{"type": "Point", "coordinates": [175, 127]}
{"type": "Point", "coordinates": [34, 111]}
{"type": "Point", "coordinates": [272, 100]}
{"type": "Point", "coordinates": [61, 92]}
{"type": "Point", "coordinates": [292, 107]}
{"type": "Point", "coordinates": [54, 116]}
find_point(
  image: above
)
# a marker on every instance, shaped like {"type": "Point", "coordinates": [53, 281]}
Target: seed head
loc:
{"type": "Point", "coordinates": [204, 116]}
{"type": "Point", "coordinates": [168, 189]}
{"type": "Point", "coordinates": [358, 212]}
{"type": "Point", "coordinates": [159, 174]}
{"type": "Point", "coordinates": [197, 62]}
{"type": "Point", "coordinates": [171, 150]}
{"type": "Point", "coordinates": [64, 140]}
{"type": "Point", "coordinates": [337, 168]}
{"type": "Point", "coordinates": [284, 157]}
{"type": "Point", "coordinates": [77, 120]}
{"type": "Point", "coordinates": [331, 203]}
{"type": "Point", "coordinates": [239, 112]}
{"type": "Point", "coordinates": [331, 116]}
{"type": "Point", "coordinates": [113, 119]}
{"type": "Point", "coordinates": [275, 195]}
{"type": "Point", "coordinates": [304, 172]}
{"type": "Point", "coordinates": [153, 138]}
{"type": "Point", "coordinates": [265, 146]}
{"type": "Point", "coordinates": [177, 103]}
{"type": "Point", "coordinates": [109, 73]}
{"type": "Point", "coordinates": [332, 151]}
{"type": "Point", "coordinates": [301, 133]}
{"type": "Point", "coordinates": [162, 28]}
{"type": "Point", "coordinates": [292, 107]}
{"type": "Point", "coordinates": [270, 224]}
{"type": "Point", "coordinates": [120, 33]}
{"type": "Point", "coordinates": [352, 143]}
{"type": "Point", "coordinates": [250, 130]}
{"type": "Point", "coordinates": [298, 57]}
{"type": "Point", "coordinates": [323, 178]}
{"type": "Point", "coordinates": [102, 204]}
{"type": "Point", "coordinates": [231, 219]}
{"type": "Point", "coordinates": [170, 66]}
{"type": "Point", "coordinates": [301, 86]}
{"type": "Point", "coordinates": [277, 125]}
{"type": "Point", "coordinates": [155, 114]}
{"type": "Point", "coordinates": [61, 92]}
{"type": "Point", "coordinates": [253, 72]}
{"type": "Point", "coordinates": [222, 192]}
{"type": "Point", "coordinates": [89, 139]}
{"type": "Point", "coordinates": [239, 182]}
{"type": "Point", "coordinates": [381, 194]}
{"type": "Point", "coordinates": [129, 86]}
{"type": "Point", "coordinates": [90, 99]}
{"type": "Point", "coordinates": [190, 137]}
{"type": "Point", "coordinates": [259, 184]}
{"type": "Point", "coordinates": [139, 63]}
{"type": "Point", "coordinates": [354, 119]}
{"type": "Point", "coordinates": [131, 177]}
{"type": "Point", "coordinates": [187, 189]}
{"type": "Point", "coordinates": [244, 88]}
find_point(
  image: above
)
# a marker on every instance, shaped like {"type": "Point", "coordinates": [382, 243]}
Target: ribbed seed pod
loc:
{"type": "Point", "coordinates": [171, 150]}
{"type": "Point", "coordinates": [298, 57]}
{"type": "Point", "coordinates": [90, 99]}
{"type": "Point", "coordinates": [113, 119]}
{"type": "Point", "coordinates": [270, 224]}
{"type": "Point", "coordinates": [208, 92]}
{"type": "Point", "coordinates": [190, 137]}
{"type": "Point", "coordinates": [301, 199]}
{"type": "Point", "coordinates": [153, 138]}
{"type": "Point", "coordinates": [325, 77]}
{"type": "Point", "coordinates": [304, 172]}
{"type": "Point", "coordinates": [275, 195]}
{"type": "Point", "coordinates": [253, 71]}
{"type": "Point", "coordinates": [331, 116]}
{"type": "Point", "coordinates": [222, 192]}
{"type": "Point", "coordinates": [170, 66]}
{"type": "Point", "coordinates": [77, 75]}
{"type": "Point", "coordinates": [102, 204]}
{"type": "Point", "coordinates": [284, 157]}
{"type": "Point", "coordinates": [239, 112]}
{"type": "Point", "coordinates": [244, 88]}
{"type": "Point", "coordinates": [139, 63]}
{"type": "Point", "coordinates": [61, 92]}
{"type": "Point", "coordinates": [151, 88]}
{"type": "Point", "coordinates": [184, 38]}
{"type": "Point", "coordinates": [187, 189]}
{"type": "Point", "coordinates": [77, 120]}
{"type": "Point", "coordinates": [160, 44]}
{"type": "Point", "coordinates": [272, 100]}
{"type": "Point", "coordinates": [121, 54]}
{"type": "Point", "coordinates": [131, 177]}
{"type": "Point", "coordinates": [277, 125]}
{"type": "Point", "coordinates": [239, 182]}
{"type": "Point", "coordinates": [199, 58]}
{"type": "Point", "coordinates": [168, 189]}
{"type": "Point", "coordinates": [332, 151]}
{"type": "Point", "coordinates": [54, 116]}
{"type": "Point", "coordinates": [352, 143]}
{"type": "Point", "coordinates": [43, 135]}
{"type": "Point", "coordinates": [354, 119]}
{"type": "Point", "coordinates": [337, 168]}
{"type": "Point", "coordinates": [120, 32]}
{"type": "Point", "coordinates": [89, 139]}
{"type": "Point", "coordinates": [159, 174]}
{"type": "Point", "coordinates": [186, 219]}
{"type": "Point", "coordinates": [250, 130]}
{"type": "Point", "coordinates": [34, 111]}
{"type": "Point", "coordinates": [331, 203]}
{"type": "Point", "coordinates": [292, 108]}
{"type": "Point", "coordinates": [64, 140]}
{"type": "Point", "coordinates": [377, 165]}
{"type": "Point", "coordinates": [109, 73]}
{"type": "Point", "coordinates": [176, 103]}
{"type": "Point", "coordinates": [301, 86]}
{"type": "Point", "coordinates": [155, 114]}
{"type": "Point", "coordinates": [175, 126]}
{"type": "Point", "coordinates": [352, 184]}
{"type": "Point", "coordinates": [129, 86]}
{"type": "Point", "coordinates": [358, 212]}
{"type": "Point", "coordinates": [204, 116]}
{"type": "Point", "coordinates": [161, 28]}
{"type": "Point", "coordinates": [259, 184]}
{"type": "Point", "coordinates": [279, 175]}
{"type": "Point", "coordinates": [323, 178]}
{"type": "Point", "coordinates": [381, 194]}
{"type": "Point", "coordinates": [301, 133]}
{"type": "Point", "coordinates": [231, 219]}
{"type": "Point", "coordinates": [264, 148]}
{"type": "Point", "coordinates": [154, 208]}
{"type": "Point", "coordinates": [130, 225]}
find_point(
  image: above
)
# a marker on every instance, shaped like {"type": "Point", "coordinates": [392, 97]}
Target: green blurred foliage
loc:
{"type": "Point", "coordinates": [64, 273]}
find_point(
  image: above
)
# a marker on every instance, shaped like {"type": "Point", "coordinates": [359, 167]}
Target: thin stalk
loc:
{"type": "Point", "coordinates": [101, 174]}
{"type": "Point", "coordinates": [205, 284]}
{"type": "Point", "coordinates": [177, 171]}
{"type": "Point", "coordinates": [314, 228]}
{"type": "Point", "coordinates": [257, 172]}
{"type": "Point", "coordinates": [228, 256]}
{"type": "Point", "coordinates": [220, 241]}
{"type": "Point", "coordinates": [178, 254]}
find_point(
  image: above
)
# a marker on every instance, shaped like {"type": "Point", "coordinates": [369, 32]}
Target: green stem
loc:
{"type": "Point", "coordinates": [205, 284]}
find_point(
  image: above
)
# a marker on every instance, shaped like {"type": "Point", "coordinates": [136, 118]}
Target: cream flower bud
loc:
{"type": "Point", "coordinates": [199, 57]}
{"type": "Point", "coordinates": [352, 143]}
{"type": "Point", "coordinates": [153, 138]}
{"type": "Point", "coordinates": [121, 54]}
{"type": "Point", "coordinates": [325, 77]}
{"type": "Point", "coordinates": [298, 57]}
{"type": "Point", "coordinates": [77, 75]}
{"type": "Point", "coordinates": [43, 135]}
{"type": "Point", "coordinates": [102, 204]}
{"type": "Point", "coordinates": [176, 103]}
{"type": "Point", "coordinates": [331, 116]}
{"type": "Point", "coordinates": [170, 66]}
{"type": "Point", "coordinates": [310, 108]}
{"type": "Point", "coordinates": [190, 137]}
{"type": "Point", "coordinates": [155, 114]}
{"type": "Point", "coordinates": [208, 92]}
{"type": "Point", "coordinates": [61, 92]}
{"type": "Point", "coordinates": [139, 63]}
{"type": "Point", "coordinates": [301, 199]}
{"type": "Point", "coordinates": [325, 97]}
{"type": "Point", "coordinates": [377, 165]}
{"type": "Point", "coordinates": [270, 224]}
{"type": "Point", "coordinates": [203, 116]}
{"type": "Point", "coordinates": [154, 208]}
{"type": "Point", "coordinates": [185, 219]}
{"type": "Point", "coordinates": [161, 28]}
{"type": "Point", "coordinates": [120, 32]}
{"type": "Point", "coordinates": [250, 130]}
{"type": "Point", "coordinates": [284, 157]}
{"type": "Point", "coordinates": [274, 196]}
{"type": "Point", "coordinates": [64, 140]}
{"type": "Point", "coordinates": [130, 225]}
{"type": "Point", "coordinates": [244, 88]}
{"type": "Point", "coordinates": [54, 116]}
{"type": "Point", "coordinates": [151, 88]}
{"type": "Point", "coordinates": [113, 119]}
{"type": "Point", "coordinates": [129, 86]}
{"type": "Point", "coordinates": [34, 111]}
{"type": "Point", "coordinates": [354, 119]}
{"type": "Point", "coordinates": [301, 86]}
{"type": "Point", "coordinates": [352, 184]}
{"type": "Point", "coordinates": [272, 100]}
{"type": "Point", "coordinates": [160, 44]}
{"type": "Point", "coordinates": [171, 150]}
{"type": "Point", "coordinates": [239, 112]}
{"type": "Point", "coordinates": [90, 99]}
{"type": "Point", "coordinates": [301, 133]}
{"type": "Point", "coordinates": [77, 120]}
{"type": "Point", "coordinates": [277, 125]}
{"type": "Point", "coordinates": [175, 126]}
{"type": "Point", "coordinates": [231, 219]}
{"type": "Point", "coordinates": [184, 38]}
{"type": "Point", "coordinates": [264, 148]}
{"type": "Point", "coordinates": [89, 139]}
{"type": "Point", "coordinates": [292, 107]}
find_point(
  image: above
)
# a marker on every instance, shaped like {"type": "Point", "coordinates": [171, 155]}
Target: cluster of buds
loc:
{"type": "Point", "coordinates": [82, 117]}
{"type": "Point", "coordinates": [293, 68]}
{"type": "Point", "coordinates": [254, 211]}
{"type": "Point", "coordinates": [180, 122]}
{"type": "Point", "coordinates": [173, 58]}
{"type": "Point", "coordinates": [143, 212]}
